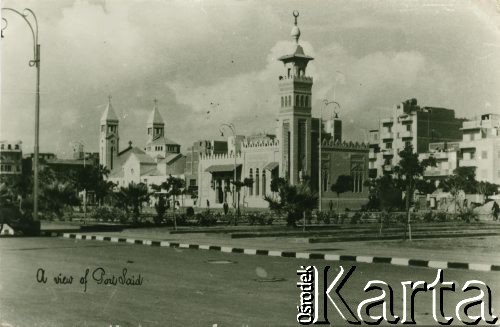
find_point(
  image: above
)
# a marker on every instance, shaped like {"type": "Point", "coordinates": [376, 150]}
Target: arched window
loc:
{"type": "Point", "coordinates": [286, 101]}
{"type": "Point", "coordinates": [282, 102]}
{"type": "Point", "coordinates": [302, 104]}
{"type": "Point", "coordinates": [251, 177]}
{"type": "Point", "coordinates": [257, 180]}
{"type": "Point", "coordinates": [297, 100]}
{"type": "Point", "coordinates": [111, 164]}
{"type": "Point", "coordinates": [263, 182]}
{"type": "Point", "coordinates": [306, 102]}
{"type": "Point", "coordinates": [290, 100]}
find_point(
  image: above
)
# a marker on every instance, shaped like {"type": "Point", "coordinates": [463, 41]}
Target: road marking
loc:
{"type": "Point", "coordinates": [274, 253]}
{"type": "Point", "coordinates": [438, 264]}
{"type": "Point", "coordinates": [364, 259]}
{"type": "Point", "coordinates": [479, 266]}
{"type": "Point", "coordinates": [400, 261]}
{"type": "Point", "coordinates": [291, 254]}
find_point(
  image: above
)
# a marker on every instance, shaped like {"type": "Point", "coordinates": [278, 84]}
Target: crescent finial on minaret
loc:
{"type": "Point", "coordinates": [295, 30]}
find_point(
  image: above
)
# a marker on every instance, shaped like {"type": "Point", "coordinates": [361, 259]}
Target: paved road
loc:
{"type": "Point", "coordinates": [180, 287]}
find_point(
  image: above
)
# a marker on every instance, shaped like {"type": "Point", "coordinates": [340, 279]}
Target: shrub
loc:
{"type": "Point", "coordinates": [206, 219]}
{"type": "Point", "coordinates": [468, 215]}
{"type": "Point", "coordinates": [323, 216]}
{"type": "Point", "coordinates": [256, 218]}
{"type": "Point", "coordinates": [429, 217]}
{"type": "Point", "coordinates": [355, 219]}
{"type": "Point", "coordinates": [106, 213]}
{"type": "Point", "coordinates": [326, 218]}
{"type": "Point", "coordinates": [441, 216]}
{"type": "Point", "coordinates": [189, 212]}
{"type": "Point", "coordinates": [341, 218]}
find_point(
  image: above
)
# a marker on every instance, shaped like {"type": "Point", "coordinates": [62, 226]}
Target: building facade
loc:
{"type": "Point", "coordinates": [480, 147]}
{"type": "Point", "coordinates": [11, 157]}
{"type": "Point", "coordinates": [199, 149]}
{"type": "Point", "coordinates": [412, 125]}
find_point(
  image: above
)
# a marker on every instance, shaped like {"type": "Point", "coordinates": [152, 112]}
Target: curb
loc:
{"type": "Point", "coordinates": [292, 254]}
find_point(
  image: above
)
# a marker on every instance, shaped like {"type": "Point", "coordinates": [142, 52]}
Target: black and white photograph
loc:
{"type": "Point", "coordinates": [249, 163]}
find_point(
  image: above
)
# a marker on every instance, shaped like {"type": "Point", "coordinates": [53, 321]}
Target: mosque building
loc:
{"type": "Point", "coordinates": [293, 153]}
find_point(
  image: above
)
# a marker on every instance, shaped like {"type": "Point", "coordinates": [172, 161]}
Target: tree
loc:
{"type": "Point", "coordinates": [385, 193]}
{"type": "Point", "coordinates": [174, 187]}
{"type": "Point", "coordinates": [293, 200]}
{"type": "Point", "coordinates": [425, 186]}
{"type": "Point", "coordinates": [247, 182]}
{"type": "Point", "coordinates": [407, 171]}
{"type": "Point", "coordinates": [344, 184]}
{"type": "Point", "coordinates": [486, 188]}
{"type": "Point", "coordinates": [133, 195]}
{"type": "Point", "coordinates": [463, 179]}
{"type": "Point", "coordinates": [160, 207]}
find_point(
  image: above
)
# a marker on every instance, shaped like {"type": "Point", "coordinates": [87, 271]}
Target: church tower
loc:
{"type": "Point", "coordinates": [295, 112]}
{"type": "Point", "coordinates": [155, 124]}
{"type": "Point", "coordinates": [109, 139]}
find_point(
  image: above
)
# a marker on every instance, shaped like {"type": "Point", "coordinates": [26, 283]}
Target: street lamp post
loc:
{"type": "Point", "coordinates": [326, 102]}
{"type": "Point", "coordinates": [236, 203]}
{"type": "Point", "coordinates": [35, 62]}
{"type": "Point", "coordinates": [85, 188]}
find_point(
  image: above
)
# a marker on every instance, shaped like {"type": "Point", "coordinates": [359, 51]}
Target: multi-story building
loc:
{"type": "Point", "coordinates": [412, 125]}
{"type": "Point", "coordinates": [446, 155]}
{"type": "Point", "coordinates": [480, 147]}
{"type": "Point", "coordinates": [11, 157]}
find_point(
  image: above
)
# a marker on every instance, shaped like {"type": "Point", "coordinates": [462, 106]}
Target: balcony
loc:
{"type": "Point", "coordinates": [406, 134]}
{"type": "Point", "coordinates": [436, 172]}
{"type": "Point", "coordinates": [387, 135]}
{"type": "Point", "coordinates": [468, 162]}
{"type": "Point", "coordinates": [468, 144]}
{"type": "Point", "coordinates": [388, 152]}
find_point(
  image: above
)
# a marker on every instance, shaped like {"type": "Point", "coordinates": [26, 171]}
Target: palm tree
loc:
{"type": "Point", "coordinates": [134, 195]}
{"type": "Point", "coordinates": [247, 182]}
{"type": "Point", "coordinates": [293, 200]}
{"type": "Point", "coordinates": [174, 187]}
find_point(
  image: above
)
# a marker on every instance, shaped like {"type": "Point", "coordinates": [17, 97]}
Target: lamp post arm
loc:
{"type": "Point", "coordinates": [34, 30]}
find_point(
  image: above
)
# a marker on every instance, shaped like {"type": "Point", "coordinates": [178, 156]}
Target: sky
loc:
{"type": "Point", "coordinates": [214, 61]}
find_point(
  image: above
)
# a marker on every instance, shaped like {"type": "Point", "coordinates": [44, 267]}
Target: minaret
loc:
{"type": "Point", "coordinates": [155, 124]}
{"type": "Point", "coordinates": [295, 112]}
{"type": "Point", "coordinates": [109, 137]}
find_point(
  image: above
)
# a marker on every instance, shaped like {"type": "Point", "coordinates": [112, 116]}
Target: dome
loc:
{"type": "Point", "coordinates": [295, 34]}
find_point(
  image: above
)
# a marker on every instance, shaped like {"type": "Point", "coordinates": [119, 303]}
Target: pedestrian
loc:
{"type": "Point", "coordinates": [226, 208]}
{"type": "Point", "coordinates": [208, 204]}
{"type": "Point", "coordinates": [330, 205]}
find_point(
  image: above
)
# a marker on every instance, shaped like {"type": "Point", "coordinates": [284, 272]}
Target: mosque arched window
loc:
{"type": "Point", "coordinates": [290, 100]}
{"type": "Point", "coordinates": [282, 102]}
{"type": "Point", "coordinates": [251, 177]}
{"type": "Point", "coordinates": [257, 181]}
{"type": "Point", "coordinates": [263, 182]}
{"type": "Point", "coordinates": [297, 100]}
{"type": "Point", "coordinates": [306, 102]}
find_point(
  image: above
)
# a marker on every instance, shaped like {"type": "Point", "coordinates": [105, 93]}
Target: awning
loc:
{"type": "Point", "coordinates": [271, 166]}
{"type": "Point", "coordinates": [221, 168]}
